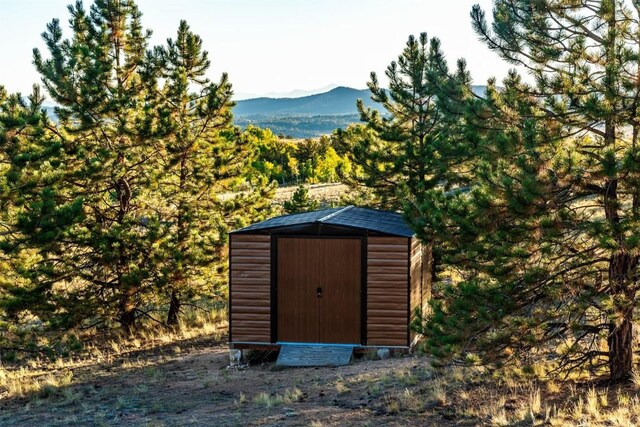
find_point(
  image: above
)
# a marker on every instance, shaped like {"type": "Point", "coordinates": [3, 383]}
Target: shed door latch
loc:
{"type": "Point", "coordinates": [319, 291]}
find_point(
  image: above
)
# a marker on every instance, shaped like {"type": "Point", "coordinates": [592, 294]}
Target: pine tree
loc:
{"type": "Point", "coordinates": [30, 153]}
{"type": "Point", "coordinates": [403, 153]}
{"type": "Point", "coordinates": [122, 208]}
{"type": "Point", "coordinates": [548, 232]}
{"type": "Point", "coordinates": [300, 202]}
{"type": "Point", "coordinates": [95, 77]}
{"type": "Point", "coordinates": [203, 156]}
{"type": "Point", "coordinates": [421, 145]}
{"type": "Point", "coordinates": [497, 221]}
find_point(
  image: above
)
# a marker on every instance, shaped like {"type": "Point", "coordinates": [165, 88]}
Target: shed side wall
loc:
{"type": "Point", "coordinates": [250, 279]}
{"type": "Point", "coordinates": [427, 276]}
{"type": "Point", "coordinates": [416, 272]}
{"type": "Point", "coordinates": [387, 287]}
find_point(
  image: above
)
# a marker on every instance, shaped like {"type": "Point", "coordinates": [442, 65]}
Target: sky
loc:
{"type": "Point", "coordinates": [273, 46]}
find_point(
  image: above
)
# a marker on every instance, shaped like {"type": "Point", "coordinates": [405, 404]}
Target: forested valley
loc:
{"type": "Point", "coordinates": [115, 217]}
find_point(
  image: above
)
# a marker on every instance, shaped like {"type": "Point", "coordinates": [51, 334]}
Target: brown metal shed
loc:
{"type": "Point", "coordinates": [341, 276]}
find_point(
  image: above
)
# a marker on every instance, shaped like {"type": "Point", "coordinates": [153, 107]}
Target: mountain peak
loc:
{"type": "Point", "coordinates": [343, 89]}
{"type": "Point", "coordinates": [340, 100]}
{"type": "Point", "coordinates": [311, 115]}
{"type": "Point", "coordinates": [296, 93]}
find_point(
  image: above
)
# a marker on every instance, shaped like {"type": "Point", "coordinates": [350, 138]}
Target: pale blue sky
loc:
{"type": "Point", "coordinates": [273, 45]}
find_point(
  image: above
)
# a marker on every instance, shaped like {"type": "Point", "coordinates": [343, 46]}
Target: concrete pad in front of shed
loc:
{"type": "Point", "coordinates": [306, 355]}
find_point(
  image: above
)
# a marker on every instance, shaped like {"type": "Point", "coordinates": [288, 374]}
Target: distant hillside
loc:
{"type": "Point", "coordinates": [336, 102]}
{"type": "Point", "coordinates": [299, 126]}
{"type": "Point", "coordinates": [308, 116]}
{"type": "Point", "coordinates": [296, 93]}
{"type": "Point", "coordinates": [304, 117]}
{"type": "Point", "coordinates": [479, 90]}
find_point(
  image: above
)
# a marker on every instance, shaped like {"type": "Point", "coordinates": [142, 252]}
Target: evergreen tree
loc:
{"type": "Point", "coordinates": [300, 202]}
{"type": "Point", "coordinates": [203, 157]}
{"type": "Point", "coordinates": [548, 232]}
{"type": "Point", "coordinates": [99, 263]}
{"type": "Point", "coordinates": [422, 145]}
{"type": "Point", "coordinates": [30, 153]}
{"type": "Point", "coordinates": [154, 175]}
{"type": "Point", "coordinates": [415, 145]}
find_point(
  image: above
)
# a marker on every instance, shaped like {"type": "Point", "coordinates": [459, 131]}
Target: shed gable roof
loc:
{"type": "Point", "coordinates": [351, 217]}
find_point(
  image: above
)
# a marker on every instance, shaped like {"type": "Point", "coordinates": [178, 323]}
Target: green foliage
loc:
{"type": "Point", "coordinates": [300, 202]}
{"type": "Point", "coordinates": [544, 234]}
{"type": "Point", "coordinates": [298, 126]}
{"type": "Point", "coordinates": [287, 161]}
{"type": "Point", "coordinates": [123, 209]}
{"type": "Point", "coordinates": [25, 139]}
{"type": "Point", "coordinates": [102, 80]}
{"type": "Point", "coordinates": [417, 144]}
{"type": "Point", "coordinates": [201, 156]}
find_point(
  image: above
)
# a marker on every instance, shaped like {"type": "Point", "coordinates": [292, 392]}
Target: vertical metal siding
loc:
{"type": "Point", "coordinates": [332, 265]}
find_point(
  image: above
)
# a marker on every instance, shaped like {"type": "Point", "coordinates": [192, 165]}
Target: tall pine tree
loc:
{"type": "Point", "coordinates": [30, 163]}
{"type": "Point", "coordinates": [100, 263]}
{"type": "Point", "coordinates": [203, 157]}
{"type": "Point", "coordinates": [548, 232]}
{"type": "Point", "coordinates": [420, 146]}
{"type": "Point", "coordinates": [404, 151]}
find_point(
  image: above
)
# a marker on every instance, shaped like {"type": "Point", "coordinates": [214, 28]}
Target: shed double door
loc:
{"type": "Point", "coordinates": [319, 290]}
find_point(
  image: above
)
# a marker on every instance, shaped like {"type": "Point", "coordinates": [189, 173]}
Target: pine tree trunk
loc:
{"type": "Point", "coordinates": [174, 309]}
{"type": "Point", "coordinates": [621, 349]}
{"type": "Point", "coordinates": [174, 303]}
{"type": "Point", "coordinates": [127, 315]}
{"type": "Point", "coordinates": [622, 278]}
{"type": "Point", "coordinates": [127, 300]}
{"type": "Point", "coordinates": [127, 304]}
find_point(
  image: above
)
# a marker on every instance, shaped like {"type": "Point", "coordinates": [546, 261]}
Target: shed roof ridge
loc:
{"type": "Point", "coordinates": [333, 214]}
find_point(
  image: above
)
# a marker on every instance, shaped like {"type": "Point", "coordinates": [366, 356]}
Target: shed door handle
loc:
{"type": "Point", "coordinates": [319, 291]}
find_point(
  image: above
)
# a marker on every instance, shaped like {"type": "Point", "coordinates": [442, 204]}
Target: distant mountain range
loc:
{"type": "Point", "coordinates": [307, 116]}
{"type": "Point", "coordinates": [338, 101]}
{"type": "Point", "coordinates": [296, 93]}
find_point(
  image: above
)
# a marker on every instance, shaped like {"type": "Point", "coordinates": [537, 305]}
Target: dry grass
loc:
{"type": "Point", "coordinates": [40, 378]}
{"type": "Point", "coordinates": [270, 400]}
{"type": "Point", "coordinates": [397, 391]}
{"type": "Point", "coordinates": [437, 391]}
{"type": "Point", "coordinates": [327, 193]}
{"type": "Point", "coordinates": [510, 397]}
{"type": "Point", "coordinates": [341, 387]}
{"type": "Point", "coordinates": [588, 407]}
{"type": "Point", "coordinates": [28, 382]}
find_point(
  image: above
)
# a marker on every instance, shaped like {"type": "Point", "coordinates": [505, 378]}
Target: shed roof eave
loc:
{"type": "Point", "coordinates": [268, 230]}
{"type": "Point", "coordinates": [349, 217]}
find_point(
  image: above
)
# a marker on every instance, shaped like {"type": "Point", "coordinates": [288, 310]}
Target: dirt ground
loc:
{"type": "Point", "coordinates": [187, 382]}
{"type": "Point", "coordinates": [190, 384]}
